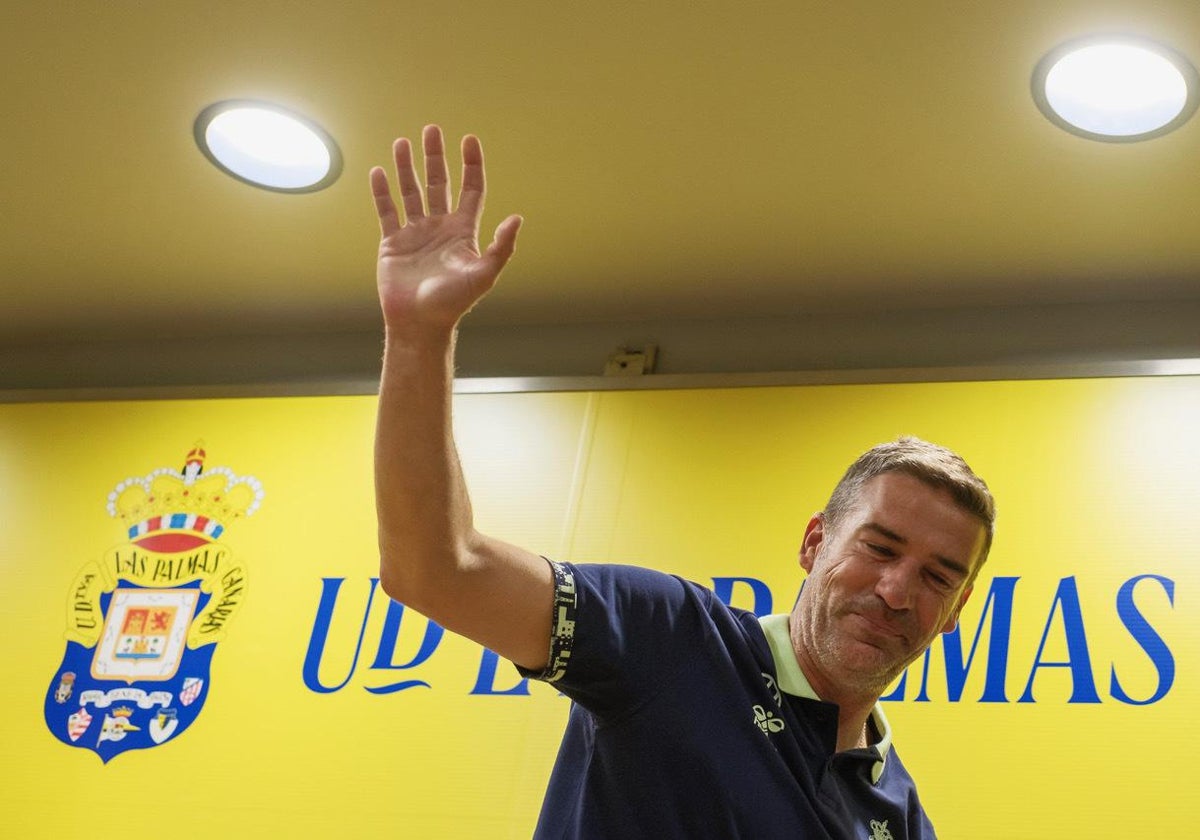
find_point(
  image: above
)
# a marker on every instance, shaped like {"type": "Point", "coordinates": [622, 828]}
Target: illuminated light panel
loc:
{"type": "Point", "coordinates": [268, 146]}
{"type": "Point", "coordinates": [1116, 90]}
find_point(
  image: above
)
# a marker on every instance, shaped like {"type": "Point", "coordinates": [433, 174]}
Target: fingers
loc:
{"type": "Point", "coordinates": [437, 181]}
{"type": "Point", "coordinates": [504, 243]}
{"type": "Point", "coordinates": [470, 201]}
{"type": "Point", "coordinates": [406, 176]}
{"type": "Point", "coordinates": [437, 176]}
{"type": "Point", "coordinates": [389, 219]}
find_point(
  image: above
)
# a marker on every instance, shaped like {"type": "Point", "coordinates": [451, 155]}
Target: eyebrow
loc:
{"type": "Point", "coordinates": [888, 533]}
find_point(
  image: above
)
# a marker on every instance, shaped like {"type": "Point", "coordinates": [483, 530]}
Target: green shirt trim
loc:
{"type": "Point", "coordinates": [791, 680]}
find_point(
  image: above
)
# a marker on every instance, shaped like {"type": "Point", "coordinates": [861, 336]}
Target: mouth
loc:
{"type": "Point", "coordinates": [879, 629]}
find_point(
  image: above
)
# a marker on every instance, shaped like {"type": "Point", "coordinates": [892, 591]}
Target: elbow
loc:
{"type": "Point", "coordinates": [426, 594]}
{"type": "Point", "coordinates": [397, 578]}
{"type": "Point", "coordinates": [391, 584]}
{"type": "Point", "coordinates": [420, 579]}
{"type": "Point", "coordinates": [399, 566]}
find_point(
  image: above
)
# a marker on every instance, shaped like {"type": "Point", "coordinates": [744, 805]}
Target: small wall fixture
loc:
{"type": "Point", "coordinates": [268, 146]}
{"type": "Point", "coordinates": [1116, 89]}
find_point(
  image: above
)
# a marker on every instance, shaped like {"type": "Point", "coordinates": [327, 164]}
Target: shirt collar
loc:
{"type": "Point", "coordinates": [791, 680]}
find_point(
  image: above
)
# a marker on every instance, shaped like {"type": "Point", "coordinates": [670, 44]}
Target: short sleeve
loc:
{"type": "Point", "coordinates": [619, 631]}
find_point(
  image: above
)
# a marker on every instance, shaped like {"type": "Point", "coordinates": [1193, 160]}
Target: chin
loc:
{"type": "Point", "coordinates": [866, 665]}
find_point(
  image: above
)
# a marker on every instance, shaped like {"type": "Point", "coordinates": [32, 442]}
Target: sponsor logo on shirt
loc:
{"type": "Point", "coordinates": [767, 721]}
{"type": "Point", "coordinates": [879, 831]}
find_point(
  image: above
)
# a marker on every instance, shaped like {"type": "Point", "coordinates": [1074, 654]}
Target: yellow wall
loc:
{"type": "Point", "coordinates": [1098, 483]}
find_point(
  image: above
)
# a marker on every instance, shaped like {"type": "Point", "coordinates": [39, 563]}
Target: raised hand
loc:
{"type": "Point", "coordinates": [431, 270]}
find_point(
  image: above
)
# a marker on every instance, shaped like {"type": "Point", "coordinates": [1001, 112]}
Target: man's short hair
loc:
{"type": "Point", "coordinates": [934, 465]}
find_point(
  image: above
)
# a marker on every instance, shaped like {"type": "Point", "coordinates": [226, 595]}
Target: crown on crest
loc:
{"type": "Point", "coordinates": [123, 712]}
{"type": "Point", "coordinates": [177, 510]}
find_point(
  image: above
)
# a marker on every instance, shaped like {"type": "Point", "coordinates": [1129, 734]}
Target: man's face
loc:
{"type": "Point", "coordinates": [890, 577]}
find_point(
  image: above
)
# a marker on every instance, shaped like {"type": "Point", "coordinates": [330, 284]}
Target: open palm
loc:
{"type": "Point", "coordinates": [431, 270]}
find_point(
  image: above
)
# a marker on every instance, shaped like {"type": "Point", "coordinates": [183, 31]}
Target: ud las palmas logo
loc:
{"type": "Point", "coordinates": [143, 622]}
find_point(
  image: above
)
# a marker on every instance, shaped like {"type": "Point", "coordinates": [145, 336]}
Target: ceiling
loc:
{"type": "Point", "coordinates": [672, 161]}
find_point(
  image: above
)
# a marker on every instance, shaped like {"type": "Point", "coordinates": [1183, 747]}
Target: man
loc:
{"type": "Point", "coordinates": [690, 719]}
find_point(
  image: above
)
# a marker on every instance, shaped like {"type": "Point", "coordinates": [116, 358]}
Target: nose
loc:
{"type": "Point", "coordinates": [895, 585]}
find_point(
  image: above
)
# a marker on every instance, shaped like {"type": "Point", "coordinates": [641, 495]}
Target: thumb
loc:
{"type": "Point", "coordinates": [504, 243]}
{"type": "Point", "coordinates": [487, 268]}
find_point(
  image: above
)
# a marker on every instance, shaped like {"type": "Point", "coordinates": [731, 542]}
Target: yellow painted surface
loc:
{"type": "Point", "coordinates": [1098, 484]}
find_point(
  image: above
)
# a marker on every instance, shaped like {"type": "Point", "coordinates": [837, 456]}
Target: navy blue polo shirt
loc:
{"type": "Point", "coordinates": [691, 719]}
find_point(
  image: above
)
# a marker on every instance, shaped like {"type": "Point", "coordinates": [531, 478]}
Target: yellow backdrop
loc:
{"type": "Point", "coordinates": [1058, 711]}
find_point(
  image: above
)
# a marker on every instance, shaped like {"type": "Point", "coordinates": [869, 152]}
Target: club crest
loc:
{"type": "Point", "coordinates": [144, 621]}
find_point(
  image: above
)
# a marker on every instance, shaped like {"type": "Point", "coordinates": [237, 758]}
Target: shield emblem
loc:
{"type": "Point", "coordinates": [78, 723]}
{"type": "Point", "coordinates": [163, 725]}
{"type": "Point", "coordinates": [145, 621]}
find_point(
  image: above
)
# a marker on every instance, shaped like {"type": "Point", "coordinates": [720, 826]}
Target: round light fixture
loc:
{"type": "Point", "coordinates": [268, 146]}
{"type": "Point", "coordinates": [1116, 89]}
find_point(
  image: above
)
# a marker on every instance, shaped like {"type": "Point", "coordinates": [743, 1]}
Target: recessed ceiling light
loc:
{"type": "Point", "coordinates": [1115, 89]}
{"type": "Point", "coordinates": [268, 146]}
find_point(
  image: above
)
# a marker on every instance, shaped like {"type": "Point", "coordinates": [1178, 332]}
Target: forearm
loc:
{"type": "Point", "coordinates": [430, 273]}
{"type": "Point", "coordinates": [424, 511]}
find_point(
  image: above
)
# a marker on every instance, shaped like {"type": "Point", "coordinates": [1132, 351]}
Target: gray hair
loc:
{"type": "Point", "coordinates": [934, 465]}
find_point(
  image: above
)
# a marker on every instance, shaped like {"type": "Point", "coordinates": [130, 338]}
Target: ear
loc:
{"type": "Point", "coordinates": [814, 535]}
{"type": "Point", "coordinates": [952, 621]}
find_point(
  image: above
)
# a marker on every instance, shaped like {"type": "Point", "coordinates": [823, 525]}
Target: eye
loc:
{"type": "Point", "coordinates": [940, 581]}
{"type": "Point", "coordinates": [880, 550]}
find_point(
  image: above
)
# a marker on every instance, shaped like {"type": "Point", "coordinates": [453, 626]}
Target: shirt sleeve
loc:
{"type": "Point", "coordinates": [619, 632]}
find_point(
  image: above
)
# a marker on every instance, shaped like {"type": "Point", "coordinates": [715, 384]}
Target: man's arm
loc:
{"type": "Point", "coordinates": [430, 273]}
